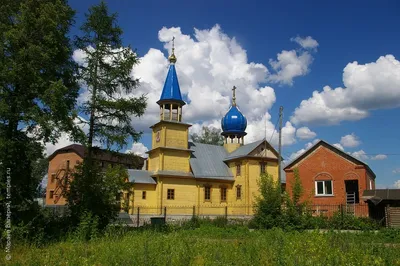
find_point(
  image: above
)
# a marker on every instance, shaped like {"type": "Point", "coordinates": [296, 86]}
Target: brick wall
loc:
{"type": "Point", "coordinates": [325, 164]}
{"type": "Point", "coordinates": [59, 162]}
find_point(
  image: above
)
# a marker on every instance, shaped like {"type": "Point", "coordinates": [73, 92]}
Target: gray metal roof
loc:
{"type": "Point", "coordinates": [140, 176]}
{"type": "Point", "coordinates": [243, 150]}
{"type": "Point", "coordinates": [174, 173]}
{"type": "Point", "coordinates": [207, 161]}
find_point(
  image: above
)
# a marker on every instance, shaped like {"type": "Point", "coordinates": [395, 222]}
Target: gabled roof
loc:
{"type": "Point", "coordinates": [140, 177]}
{"type": "Point", "coordinates": [247, 149]}
{"type": "Point", "coordinates": [102, 155]}
{"type": "Point", "coordinates": [332, 148]}
{"type": "Point", "coordinates": [171, 90]}
{"type": "Point", "coordinates": [77, 148]}
{"type": "Point", "coordinates": [207, 161]}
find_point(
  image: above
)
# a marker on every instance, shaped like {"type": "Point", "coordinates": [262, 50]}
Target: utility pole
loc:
{"type": "Point", "coordinates": [280, 148]}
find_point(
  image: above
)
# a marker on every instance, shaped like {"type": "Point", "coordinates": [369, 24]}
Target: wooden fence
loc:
{"type": "Point", "coordinates": [392, 217]}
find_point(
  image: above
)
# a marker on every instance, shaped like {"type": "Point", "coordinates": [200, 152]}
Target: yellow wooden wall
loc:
{"type": "Point", "coordinates": [175, 160]}
{"type": "Point", "coordinates": [176, 136]}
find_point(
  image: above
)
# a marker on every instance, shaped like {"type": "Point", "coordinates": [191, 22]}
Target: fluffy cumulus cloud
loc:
{"type": "Point", "coordinates": [293, 63]}
{"type": "Point", "coordinates": [367, 87]}
{"type": "Point", "coordinates": [350, 140]}
{"type": "Point", "coordinates": [296, 154]}
{"type": "Point", "coordinates": [339, 146]}
{"type": "Point", "coordinates": [396, 171]}
{"type": "Point", "coordinates": [379, 157]}
{"type": "Point", "coordinates": [361, 155]}
{"type": "Point", "coordinates": [306, 42]}
{"type": "Point", "coordinates": [209, 64]}
{"type": "Point", "coordinates": [305, 133]}
{"type": "Point", "coordinates": [138, 149]}
{"type": "Point", "coordinates": [397, 184]}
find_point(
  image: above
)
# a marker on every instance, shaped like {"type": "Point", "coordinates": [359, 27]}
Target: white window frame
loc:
{"type": "Point", "coordinates": [324, 188]}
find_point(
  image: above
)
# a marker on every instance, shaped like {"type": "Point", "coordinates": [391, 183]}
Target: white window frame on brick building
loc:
{"type": "Point", "coordinates": [324, 188]}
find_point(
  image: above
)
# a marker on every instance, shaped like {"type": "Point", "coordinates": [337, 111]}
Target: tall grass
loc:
{"type": "Point", "coordinates": [212, 245]}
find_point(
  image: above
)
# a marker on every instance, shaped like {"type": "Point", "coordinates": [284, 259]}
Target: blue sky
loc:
{"type": "Point", "coordinates": [346, 31]}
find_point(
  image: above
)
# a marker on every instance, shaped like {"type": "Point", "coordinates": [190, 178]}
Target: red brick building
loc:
{"type": "Point", "coordinates": [331, 178]}
{"type": "Point", "coordinates": [63, 161]}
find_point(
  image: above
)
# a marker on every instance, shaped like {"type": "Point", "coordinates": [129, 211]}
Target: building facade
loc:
{"type": "Point", "coordinates": [64, 160]}
{"type": "Point", "coordinates": [185, 177]}
{"type": "Point", "coordinates": [331, 178]}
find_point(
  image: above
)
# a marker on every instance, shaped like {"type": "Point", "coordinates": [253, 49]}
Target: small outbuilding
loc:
{"type": "Point", "coordinates": [384, 205]}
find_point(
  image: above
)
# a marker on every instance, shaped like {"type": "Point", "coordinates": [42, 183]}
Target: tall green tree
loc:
{"type": "Point", "coordinates": [209, 135]}
{"type": "Point", "coordinates": [106, 73]}
{"type": "Point", "coordinates": [38, 90]}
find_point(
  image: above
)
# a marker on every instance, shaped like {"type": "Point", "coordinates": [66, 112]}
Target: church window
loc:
{"type": "Point", "coordinates": [143, 194]}
{"type": "Point", "coordinates": [223, 193]}
{"type": "Point", "coordinates": [171, 194]}
{"type": "Point", "coordinates": [238, 169]}
{"type": "Point", "coordinates": [53, 177]}
{"type": "Point", "coordinates": [262, 168]}
{"type": "Point", "coordinates": [207, 193]}
{"type": "Point", "coordinates": [238, 192]}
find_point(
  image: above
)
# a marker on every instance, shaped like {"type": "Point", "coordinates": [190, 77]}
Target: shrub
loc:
{"type": "Point", "coordinates": [88, 228]}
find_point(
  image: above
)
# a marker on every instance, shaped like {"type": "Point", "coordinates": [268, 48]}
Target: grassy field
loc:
{"type": "Point", "coordinates": [210, 245]}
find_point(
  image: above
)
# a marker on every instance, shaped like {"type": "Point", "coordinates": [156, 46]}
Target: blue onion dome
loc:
{"type": "Point", "coordinates": [234, 122]}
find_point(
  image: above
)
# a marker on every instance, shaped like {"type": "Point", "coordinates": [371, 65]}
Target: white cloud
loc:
{"type": "Point", "coordinates": [350, 141]}
{"type": "Point", "coordinates": [339, 146]}
{"type": "Point", "coordinates": [290, 64]}
{"type": "Point", "coordinates": [306, 42]}
{"type": "Point", "coordinates": [397, 184]}
{"type": "Point", "coordinates": [310, 144]}
{"type": "Point", "coordinates": [307, 146]}
{"type": "Point", "coordinates": [209, 64]}
{"type": "Point", "coordinates": [305, 133]}
{"type": "Point", "coordinates": [396, 171]}
{"type": "Point", "coordinates": [379, 157]}
{"type": "Point", "coordinates": [138, 149]}
{"type": "Point", "coordinates": [367, 87]}
{"type": "Point", "coordinates": [294, 155]}
{"type": "Point", "coordinates": [361, 155]}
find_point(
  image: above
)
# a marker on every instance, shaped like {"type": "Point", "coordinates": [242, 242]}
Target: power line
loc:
{"type": "Point", "coordinates": [277, 120]}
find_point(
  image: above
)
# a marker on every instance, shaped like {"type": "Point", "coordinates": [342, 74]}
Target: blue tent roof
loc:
{"type": "Point", "coordinates": [171, 90]}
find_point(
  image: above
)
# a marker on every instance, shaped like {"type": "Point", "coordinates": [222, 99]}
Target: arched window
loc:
{"type": "Point", "coordinates": [323, 184]}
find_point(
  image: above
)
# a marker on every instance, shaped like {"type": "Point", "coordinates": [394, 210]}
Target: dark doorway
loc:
{"type": "Point", "coordinates": [352, 195]}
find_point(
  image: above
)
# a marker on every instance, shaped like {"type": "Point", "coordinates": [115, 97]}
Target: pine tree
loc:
{"type": "Point", "coordinates": [106, 73]}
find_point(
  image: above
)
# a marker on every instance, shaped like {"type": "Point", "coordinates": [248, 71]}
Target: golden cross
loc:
{"type": "Point", "coordinates": [173, 44]}
{"type": "Point", "coordinates": [234, 96]}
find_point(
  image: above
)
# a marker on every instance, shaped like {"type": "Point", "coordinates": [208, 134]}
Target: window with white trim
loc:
{"type": "Point", "coordinates": [323, 188]}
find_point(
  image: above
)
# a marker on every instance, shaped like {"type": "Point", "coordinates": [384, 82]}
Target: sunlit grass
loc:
{"type": "Point", "coordinates": [210, 245]}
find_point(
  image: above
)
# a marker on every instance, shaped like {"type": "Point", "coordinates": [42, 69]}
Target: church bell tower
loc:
{"type": "Point", "coordinates": [170, 135]}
